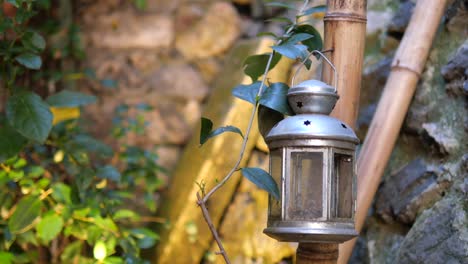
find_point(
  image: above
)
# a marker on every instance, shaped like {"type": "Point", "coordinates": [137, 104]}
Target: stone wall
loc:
{"type": "Point", "coordinates": [166, 56]}
{"type": "Point", "coordinates": [420, 210]}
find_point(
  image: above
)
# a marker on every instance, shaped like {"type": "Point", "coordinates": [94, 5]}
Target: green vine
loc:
{"type": "Point", "coordinates": [65, 197]}
{"type": "Point", "coordinates": [296, 43]}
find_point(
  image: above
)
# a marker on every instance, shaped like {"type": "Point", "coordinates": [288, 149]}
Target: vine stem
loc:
{"type": "Point", "coordinates": [201, 201]}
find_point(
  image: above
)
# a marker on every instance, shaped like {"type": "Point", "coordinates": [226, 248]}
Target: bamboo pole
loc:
{"type": "Point", "coordinates": [345, 32]}
{"type": "Point", "coordinates": [407, 67]}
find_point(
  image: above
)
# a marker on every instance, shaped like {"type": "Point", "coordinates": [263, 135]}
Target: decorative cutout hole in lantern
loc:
{"type": "Point", "coordinates": [312, 159]}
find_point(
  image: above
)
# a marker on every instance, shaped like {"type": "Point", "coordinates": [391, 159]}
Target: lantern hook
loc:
{"type": "Point", "coordinates": [335, 75]}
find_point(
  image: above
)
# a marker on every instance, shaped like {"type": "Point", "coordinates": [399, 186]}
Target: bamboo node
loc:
{"type": "Point", "coordinates": [350, 17]}
{"type": "Point", "coordinates": [398, 65]}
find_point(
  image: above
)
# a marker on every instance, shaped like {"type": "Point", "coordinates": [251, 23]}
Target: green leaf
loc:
{"type": "Point", "coordinates": [108, 172]}
{"type": "Point", "coordinates": [61, 193]}
{"type": "Point", "coordinates": [27, 210]}
{"type": "Point", "coordinates": [29, 60]}
{"type": "Point", "coordinates": [49, 227]}
{"type": "Point", "coordinates": [314, 43]}
{"type": "Point", "coordinates": [29, 115]}
{"type": "Point", "coordinates": [206, 133]}
{"type": "Point", "coordinates": [206, 127]}
{"type": "Point", "coordinates": [247, 92]}
{"type": "Point", "coordinates": [35, 171]}
{"type": "Point", "coordinates": [255, 65]}
{"type": "Point", "coordinates": [71, 254]}
{"type": "Point", "coordinates": [68, 98]}
{"type": "Point", "coordinates": [140, 4]}
{"type": "Point", "coordinates": [279, 4]}
{"type": "Point", "coordinates": [113, 260]}
{"type": "Point", "coordinates": [85, 142]}
{"type": "Point", "coordinates": [38, 41]}
{"type": "Point", "coordinates": [275, 98]}
{"type": "Point", "coordinates": [20, 163]}
{"type": "Point", "coordinates": [125, 213]}
{"type": "Point", "coordinates": [281, 20]}
{"type": "Point", "coordinates": [315, 9]}
{"type": "Point", "coordinates": [294, 39]}
{"type": "Point", "coordinates": [145, 237]}
{"type": "Point", "coordinates": [11, 142]}
{"type": "Point", "coordinates": [6, 257]}
{"type": "Point", "coordinates": [292, 51]}
{"type": "Point", "coordinates": [267, 119]}
{"type": "Point", "coordinates": [262, 179]}
{"type": "Point", "coordinates": [264, 34]}
{"type": "Point", "coordinates": [106, 223]}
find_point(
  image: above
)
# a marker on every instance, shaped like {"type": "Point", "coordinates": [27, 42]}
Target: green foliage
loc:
{"type": "Point", "coordinates": [29, 115]}
{"type": "Point", "coordinates": [262, 179]}
{"type": "Point", "coordinates": [297, 43]}
{"type": "Point", "coordinates": [207, 132]}
{"type": "Point", "coordinates": [59, 185]}
{"type": "Point", "coordinates": [274, 96]}
{"type": "Point", "coordinates": [67, 98]}
{"type": "Point", "coordinates": [254, 66]}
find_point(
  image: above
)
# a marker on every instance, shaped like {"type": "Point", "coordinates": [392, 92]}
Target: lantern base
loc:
{"type": "Point", "coordinates": [313, 233]}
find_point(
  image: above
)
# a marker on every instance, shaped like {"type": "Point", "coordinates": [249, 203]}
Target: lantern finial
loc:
{"type": "Point", "coordinates": [313, 96]}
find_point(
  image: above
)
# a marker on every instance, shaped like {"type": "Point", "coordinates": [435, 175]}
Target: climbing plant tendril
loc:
{"type": "Point", "coordinates": [296, 43]}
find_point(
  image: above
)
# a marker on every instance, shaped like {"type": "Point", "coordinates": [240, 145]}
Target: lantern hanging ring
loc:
{"type": "Point", "coordinates": [335, 75]}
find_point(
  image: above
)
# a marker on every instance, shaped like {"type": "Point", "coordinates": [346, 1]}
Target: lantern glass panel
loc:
{"type": "Point", "coordinates": [275, 171]}
{"type": "Point", "coordinates": [343, 178]}
{"type": "Point", "coordinates": [306, 186]}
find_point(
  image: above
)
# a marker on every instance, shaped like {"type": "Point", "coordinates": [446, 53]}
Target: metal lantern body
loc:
{"type": "Point", "coordinates": [312, 159]}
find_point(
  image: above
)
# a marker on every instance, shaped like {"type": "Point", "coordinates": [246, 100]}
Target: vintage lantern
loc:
{"type": "Point", "coordinates": [312, 159]}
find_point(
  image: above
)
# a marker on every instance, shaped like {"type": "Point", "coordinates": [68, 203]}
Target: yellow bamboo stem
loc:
{"type": "Point", "coordinates": [407, 67]}
{"type": "Point", "coordinates": [345, 31]}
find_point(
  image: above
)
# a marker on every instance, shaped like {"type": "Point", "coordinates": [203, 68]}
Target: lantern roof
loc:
{"type": "Point", "coordinates": [312, 126]}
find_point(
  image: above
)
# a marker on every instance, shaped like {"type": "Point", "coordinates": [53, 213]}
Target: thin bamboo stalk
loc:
{"type": "Point", "coordinates": [407, 67]}
{"type": "Point", "coordinates": [345, 31]}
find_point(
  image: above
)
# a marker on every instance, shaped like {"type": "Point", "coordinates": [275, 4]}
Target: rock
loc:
{"type": "Point", "coordinates": [189, 14]}
{"type": "Point", "coordinates": [168, 156]}
{"type": "Point", "coordinates": [125, 30]}
{"type": "Point", "coordinates": [384, 241]}
{"type": "Point", "coordinates": [360, 252]}
{"type": "Point", "coordinates": [177, 81]}
{"type": "Point", "coordinates": [373, 81]}
{"type": "Point", "coordinates": [166, 125]}
{"type": "Point", "coordinates": [409, 191]}
{"type": "Point", "coordinates": [457, 17]}
{"type": "Point", "coordinates": [208, 68]}
{"type": "Point", "coordinates": [378, 21]}
{"type": "Point", "coordinates": [212, 35]}
{"type": "Point", "coordinates": [455, 71]}
{"type": "Point", "coordinates": [439, 235]}
{"type": "Point", "coordinates": [457, 65]}
{"type": "Point", "coordinates": [401, 19]}
{"type": "Point", "coordinates": [446, 139]}
{"type": "Point", "coordinates": [162, 6]}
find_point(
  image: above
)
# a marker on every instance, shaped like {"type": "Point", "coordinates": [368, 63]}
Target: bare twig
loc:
{"type": "Point", "coordinates": [207, 217]}
{"type": "Point", "coordinates": [201, 201]}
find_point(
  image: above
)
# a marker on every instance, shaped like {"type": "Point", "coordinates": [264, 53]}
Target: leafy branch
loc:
{"type": "Point", "coordinates": [298, 40]}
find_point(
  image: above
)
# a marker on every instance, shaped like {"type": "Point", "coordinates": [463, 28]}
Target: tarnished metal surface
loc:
{"type": "Point", "coordinates": [312, 96]}
{"type": "Point", "coordinates": [312, 127]}
{"type": "Point", "coordinates": [187, 237]}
